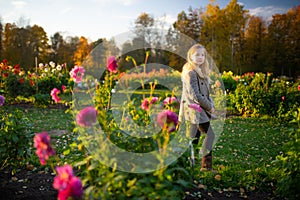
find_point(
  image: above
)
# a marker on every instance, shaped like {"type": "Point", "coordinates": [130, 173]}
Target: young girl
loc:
{"type": "Point", "coordinates": [195, 92]}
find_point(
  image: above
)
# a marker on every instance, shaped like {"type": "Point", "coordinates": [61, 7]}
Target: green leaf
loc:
{"type": "Point", "coordinates": [15, 138]}
{"type": "Point", "coordinates": [83, 162]}
{"type": "Point", "coordinates": [131, 182]}
{"type": "Point", "coordinates": [66, 152]}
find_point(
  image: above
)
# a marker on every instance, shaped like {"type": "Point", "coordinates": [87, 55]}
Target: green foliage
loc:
{"type": "Point", "coordinates": [20, 86]}
{"type": "Point", "coordinates": [262, 96]}
{"type": "Point", "coordinates": [291, 102]}
{"type": "Point", "coordinates": [107, 183]}
{"type": "Point", "coordinates": [15, 85]}
{"type": "Point", "coordinates": [229, 82]}
{"type": "Point", "coordinates": [243, 157]}
{"type": "Point", "coordinates": [15, 138]}
{"type": "Point", "coordinates": [103, 182]}
{"type": "Point", "coordinates": [41, 100]}
{"type": "Point", "coordinates": [287, 164]}
{"type": "Point", "coordinates": [46, 84]}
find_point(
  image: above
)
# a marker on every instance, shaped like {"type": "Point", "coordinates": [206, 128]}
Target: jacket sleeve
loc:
{"type": "Point", "coordinates": [197, 97]}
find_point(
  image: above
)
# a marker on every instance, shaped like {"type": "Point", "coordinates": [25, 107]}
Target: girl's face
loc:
{"type": "Point", "coordinates": [198, 57]}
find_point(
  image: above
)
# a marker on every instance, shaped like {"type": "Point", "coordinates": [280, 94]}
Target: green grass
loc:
{"type": "Point", "coordinates": [59, 123]}
{"type": "Point", "coordinates": [46, 119]}
{"type": "Point", "coordinates": [244, 154]}
{"type": "Point", "coordinates": [250, 142]}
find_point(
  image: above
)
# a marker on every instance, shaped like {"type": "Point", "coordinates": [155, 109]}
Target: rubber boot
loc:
{"type": "Point", "coordinates": [207, 162]}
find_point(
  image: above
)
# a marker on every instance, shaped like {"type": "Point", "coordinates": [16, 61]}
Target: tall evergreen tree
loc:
{"type": "Point", "coordinates": [56, 41]}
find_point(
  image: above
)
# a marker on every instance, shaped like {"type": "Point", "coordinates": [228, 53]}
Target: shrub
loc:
{"type": "Point", "coordinates": [290, 101]}
{"type": "Point", "coordinates": [15, 137]}
{"type": "Point", "coordinates": [230, 83]}
{"type": "Point", "coordinates": [287, 165]}
{"type": "Point", "coordinates": [41, 100]}
{"type": "Point", "coordinates": [15, 85]}
{"type": "Point", "coordinates": [265, 97]}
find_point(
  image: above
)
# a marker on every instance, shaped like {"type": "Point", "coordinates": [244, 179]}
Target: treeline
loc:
{"type": "Point", "coordinates": [236, 40]}
{"type": "Point", "coordinates": [243, 43]}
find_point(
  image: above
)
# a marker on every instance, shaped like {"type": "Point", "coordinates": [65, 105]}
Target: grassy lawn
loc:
{"type": "Point", "coordinates": [59, 123]}
{"type": "Point", "coordinates": [244, 154]}
{"type": "Point", "coordinates": [249, 143]}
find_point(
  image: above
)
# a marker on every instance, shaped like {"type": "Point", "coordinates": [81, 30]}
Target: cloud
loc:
{"type": "Point", "coordinates": [241, 4]}
{"type": "Point", "coordinates": [119, 2]}
{"type": "Point", "coordinates": [101, 1]}
{"type": "Point", "coordinates": [65, 11]}
{"type": "Point", "coordinates": [267, 11]}
{"type": "Point", "coordinates": [166, 20]}
{"type": "Point", "coordinates": [13, 10]}
{"type": "Point", "coordinates": [126, 2]}
{"type": "Point", "coordinates": [19, 4]}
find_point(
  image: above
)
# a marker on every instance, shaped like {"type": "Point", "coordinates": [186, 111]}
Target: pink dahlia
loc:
{"type": "Point", "coordinates": [2, 100]}
{"type": "Point", "coordinates": [87, 116]}
{"type": "Point", "coordinates": [154, 100]}
{"type": "Point", "coordinates": [54, 94]}
{"type": "Point", "coordinates": [196, 107]}
{"type": "Point", "coordinates": [173, 101]}
{"type": "Point", "coordinates": [43, 147]}
{"type": "Point", "coordinates": [77, 73]}
{"type": "Point", "coordinates": [66, 183]}
{"type": "Point", "coordinates": [112, 64]}
{"type": "Point", "coordinates": [145, 104]}
{"type": "Point", "coordinates": [63, 87]}
{"type": "Point", "coordinates": [167, 119]}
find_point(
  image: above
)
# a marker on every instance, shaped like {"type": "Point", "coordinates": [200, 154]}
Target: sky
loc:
{"type": "Point", "coordinates": [96, 19]}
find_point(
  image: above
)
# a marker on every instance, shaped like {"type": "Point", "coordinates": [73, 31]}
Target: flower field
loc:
{"type": "Point", "coordinates": [59, 125]}
{"type": "Point", "coordinates": [245, 158]}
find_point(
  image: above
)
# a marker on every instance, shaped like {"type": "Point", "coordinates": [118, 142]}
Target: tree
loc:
{"type": "Point", "coordinates": [83, 49]}
{"type": "Point", "coordinates": [211, 33]}
{"type": "Point", "coordinates": [66, 51]}
{"type": "Point", "coordinates": [145, 37]}
{"type": "Point", "coordinates": [1, 47]}
{"type": "Point", "coordinates": [56, 41]}
{"type": "Point", "coordinates": [39, 43]}
{"type": "Point", "coordinates": [23, 45]}
{"type": "Point", "coordinates": [143, 25]}
{"type": "Point", "coordinates": [96, 60]}
{"type": "Point", "coordinates": [63, 49]}
{"type": "Point", "coordinates": [16, 46]}
{"type": "Point", "coordinates": [292, 42]}
{"type": "Point", "coordinates": [283, 42]}
{"type": "Point", "coordinates": [190, 24]}
{"type": "Point", "coordinates": [277, 32]}
{"type": "Point", "coordinates": [235, 18]}
{"type": "Point", "coordinates": [254, 51]}
{"type": "Point", "coordinates": [222, 33]}
{"type": "Point", "coordinates": [185, 29]}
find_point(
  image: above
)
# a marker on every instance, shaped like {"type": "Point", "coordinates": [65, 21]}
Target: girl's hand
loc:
{"type": "Point", "coordinates": [212, 110]}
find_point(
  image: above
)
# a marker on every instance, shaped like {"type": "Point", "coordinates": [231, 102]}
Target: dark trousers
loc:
{"type": "Point", "coordinates": [202, 128]}
{"type": "Point", "coordinates": [195, 133]}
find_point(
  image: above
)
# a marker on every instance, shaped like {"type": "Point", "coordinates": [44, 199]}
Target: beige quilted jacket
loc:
{"type": "Point", "coordinates": [194, 90]}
